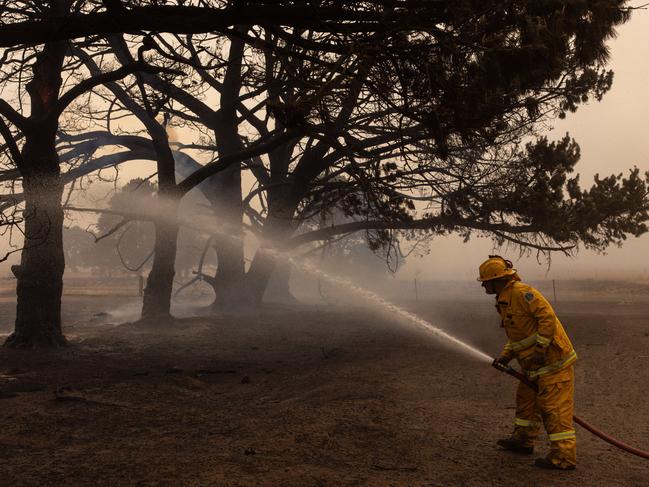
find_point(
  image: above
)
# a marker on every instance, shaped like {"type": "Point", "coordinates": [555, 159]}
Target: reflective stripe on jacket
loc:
{"type": "Point", "coordinates": [530, 321]}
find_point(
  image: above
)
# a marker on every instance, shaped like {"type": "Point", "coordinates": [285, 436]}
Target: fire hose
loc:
{"type": "Point", "coordinates": [609, 439]}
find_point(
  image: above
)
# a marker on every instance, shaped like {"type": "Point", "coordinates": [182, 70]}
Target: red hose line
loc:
{"type": "Point", "coordinates": [609, 439]}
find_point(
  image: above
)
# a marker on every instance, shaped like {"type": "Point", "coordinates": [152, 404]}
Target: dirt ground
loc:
{"type": "Point", "coordinates": [308, 396]}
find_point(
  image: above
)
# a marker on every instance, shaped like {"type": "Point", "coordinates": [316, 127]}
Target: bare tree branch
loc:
{"type": "Point", "coordinates": [105, 78]}
{"type": "Point", "coordinates": [11, 144]}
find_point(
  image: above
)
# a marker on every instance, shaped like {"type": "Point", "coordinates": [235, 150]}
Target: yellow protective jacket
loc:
{"type": "Point", "coordinates": [530, 322]}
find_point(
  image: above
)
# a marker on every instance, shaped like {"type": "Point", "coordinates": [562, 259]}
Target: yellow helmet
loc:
{"type": "Point", "coordinates": [495, 267]}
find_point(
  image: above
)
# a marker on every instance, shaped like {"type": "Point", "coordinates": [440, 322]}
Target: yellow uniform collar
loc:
{"type": "Point", "coordinates": [506, 293]}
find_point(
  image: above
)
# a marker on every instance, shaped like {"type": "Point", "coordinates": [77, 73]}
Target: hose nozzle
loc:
{"type": "Point", "coordinates": [501, 366]}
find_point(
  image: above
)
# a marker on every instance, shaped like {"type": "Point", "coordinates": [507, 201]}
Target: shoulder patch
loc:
{"type": "Point", "coordinates": [529, 297]}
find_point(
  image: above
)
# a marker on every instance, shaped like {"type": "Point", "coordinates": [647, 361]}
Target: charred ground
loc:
{"type": "Point", "coordinates": [309, 396]}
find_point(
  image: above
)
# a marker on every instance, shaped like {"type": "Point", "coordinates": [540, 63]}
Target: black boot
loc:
{"type": "Point", "coordinates": [517, 446]}
{"type": "Point", "coordinates": [549, 465]}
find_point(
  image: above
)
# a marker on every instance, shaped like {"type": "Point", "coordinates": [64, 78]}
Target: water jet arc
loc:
{"type": "Point", "coordinates": [392, 308]}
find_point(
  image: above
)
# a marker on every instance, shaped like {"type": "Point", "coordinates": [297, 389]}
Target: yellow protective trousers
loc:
{"type": "Point", "coordinates": [551, 406]}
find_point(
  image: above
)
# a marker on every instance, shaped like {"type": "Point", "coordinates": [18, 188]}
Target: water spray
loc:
{"type": "Point", "coordinates": [273, 251]}
{"type": "Point", "coordinates": [269, 248]}
{"type": "Point", "coordinates": [392, 308]}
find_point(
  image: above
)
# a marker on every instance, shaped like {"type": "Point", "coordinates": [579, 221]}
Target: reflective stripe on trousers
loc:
{"type": "Point", "coordinates": [526, 423]}
{"type": "Point", "coordinates": [566, 435]}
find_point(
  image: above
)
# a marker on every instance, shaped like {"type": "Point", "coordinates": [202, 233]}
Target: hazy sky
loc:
{"type": "Point", "coordinates": [614, 136]}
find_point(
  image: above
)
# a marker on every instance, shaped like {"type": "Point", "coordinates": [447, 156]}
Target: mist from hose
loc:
{"type": "Point", "coordinates": [403, 315]}
{"type": "Point", "coordinates": [270, 248]}
{"type": "Point", "coordinates": [400, 313]}
{"type": "Point", "coordinates": [207, 225]}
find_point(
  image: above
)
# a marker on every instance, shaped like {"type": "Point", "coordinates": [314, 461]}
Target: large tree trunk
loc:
{"type": "Point", "coordinates": [40, 273]}
{"type": "Point", "coordinates": [229, 243]}
{"type": "Point", "coordinates": [227, 198]}
{"type": "Point", "coordinates": [278, 227]}
{"type": "Point", "coordinates": [156, 303]}
{"type": "Point", "coordinates": [278, 289]}
{"type": "Point", "coordinates": [230, 271]}
{"type": "Point", "coordinates": [257, 278]}
{"type": "Point", "coordinates": [249, 291]}
{"type": "Point", "coordinates": [223, 192]}
{"type": "Point", "coordinates": [283, 200]}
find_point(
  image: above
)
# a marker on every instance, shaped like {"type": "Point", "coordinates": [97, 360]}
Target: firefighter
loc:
{"type": "Point", "coordinates": [537, 340]}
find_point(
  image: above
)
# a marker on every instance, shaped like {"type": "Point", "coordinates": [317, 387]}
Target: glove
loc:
{"type": "Point", "coordinates": [538, 359]}
{"type": "Point", "coordinates": [500, 363]}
